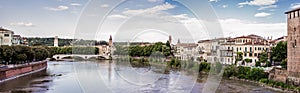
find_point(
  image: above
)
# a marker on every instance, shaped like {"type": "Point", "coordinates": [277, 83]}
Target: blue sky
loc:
{"type": "Point", "coordinates": [49, 18]}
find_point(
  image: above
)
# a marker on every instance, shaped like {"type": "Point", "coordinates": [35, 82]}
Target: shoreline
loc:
{"type": "Point", "coordinates": [263, 85]}
{"type": "Point", "coordinates": [22, 70]}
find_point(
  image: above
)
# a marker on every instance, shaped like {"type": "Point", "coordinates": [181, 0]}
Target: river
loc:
{"type": "Point", "coordinates": [106, 76]}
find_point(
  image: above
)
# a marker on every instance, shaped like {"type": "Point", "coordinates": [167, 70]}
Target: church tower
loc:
{"type": "Point", "coordinates": [110, 43]}
{"type": "Point", "coordinates": [170, 39]}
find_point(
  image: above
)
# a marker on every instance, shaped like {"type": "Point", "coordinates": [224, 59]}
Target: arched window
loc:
{"type": "Point", "coordinates": [295, 43]}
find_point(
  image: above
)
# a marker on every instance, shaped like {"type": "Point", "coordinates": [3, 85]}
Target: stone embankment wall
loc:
{"type": "Point", "coordinates": [16, 71]}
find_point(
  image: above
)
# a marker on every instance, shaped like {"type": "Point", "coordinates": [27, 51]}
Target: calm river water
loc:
{"type": "Point", "coordinates": [106, 77]}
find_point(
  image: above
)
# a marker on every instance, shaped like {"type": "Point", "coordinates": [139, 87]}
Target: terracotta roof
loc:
{"type": "Point", "coordinates": [292, 10]}
{"type": "Point", "coordinates": [16, 35]}
{"type": "Point", "coordinates": [187, 45]}
{"type": "Point", "coordinates": [280, 38]}
{"type": "Point", "coordinates": [202, 41]}
{"type": "Point", "coordinates": [256, 43]}
{"type": "Point", "coordinates": [252, 36]}
{"type": "Point", "coordinates": [3, 29]}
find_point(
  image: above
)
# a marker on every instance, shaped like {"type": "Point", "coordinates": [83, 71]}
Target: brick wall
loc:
{"type": "Point", "coordinates": [11, 72]}
{"type": "Point", "coordinates": [293, 43]}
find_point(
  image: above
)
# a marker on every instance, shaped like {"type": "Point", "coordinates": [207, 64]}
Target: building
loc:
{"type": "Point", "coordinates": [6, 37]}
{"type": "Point", "coordinates": [55, 41]}
{"type": "Point", "coordinates": [187, 51]}
{"type": "Point", "coordinates": [17, 40]}
{"type": "Point", "coordinates": [252, 46]}
{"type": "Point", "coordinates": [205, 49]}
{"type": "Point", "coordinates": [104, 47]}
{"type": "Point", "coordinates": [293, 58]}
{"type": "Point", "coordinates": [227, 55]}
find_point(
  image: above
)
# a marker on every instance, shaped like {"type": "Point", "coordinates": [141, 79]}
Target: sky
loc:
{"type": "Point", "coordinates": [146, 20]}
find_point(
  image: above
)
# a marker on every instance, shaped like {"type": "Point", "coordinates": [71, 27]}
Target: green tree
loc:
{"type": "Point", "coordinates": [263, 58]}
{"type": "Point", "coordinates": [279, 52]}
{"type": "Point", "coordinates": [284, 63]}
{"type": "Point", "coordinates": [248, 60]}
{"type": "Point", "coordinates": [257, 64]}
{"type": "Point", "coordinates": [40, 53]}
{"type": "Point", "coordinates": [239, 56]}
{"type": "Point", "coordinates": [7, 53]}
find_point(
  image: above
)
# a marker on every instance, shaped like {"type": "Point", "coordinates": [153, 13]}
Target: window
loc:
{"type": "Point", "coordinates": [245, 49]}
{"type": "Point", "coordinates": [250, 54]}
{"type": "Point", "coordinates": [295, 43]}
{"type": "Point", "coordinates": [255, 48]}
{"type": "Point", "coordinates": [6, 35]}
{"type": "Point", "coordinates": [250, 49]}
{"type": "Point", "coordinates": [298, 13]}
{"type": "Point", "coordinates": [245, 54]}
{"type": "Point", "coordinates": [255, 54]}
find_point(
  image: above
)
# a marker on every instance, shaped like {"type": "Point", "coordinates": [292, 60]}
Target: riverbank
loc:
{"type": "Point", "coordinates": [264, 85]}
{"type": "Point", "coordinates": [12, 72]}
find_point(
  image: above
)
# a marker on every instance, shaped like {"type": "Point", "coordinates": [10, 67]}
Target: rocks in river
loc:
{"type": "Point", "coordinates": [54, 75]}
{"type": "Point", "coordinates": [41, 82]}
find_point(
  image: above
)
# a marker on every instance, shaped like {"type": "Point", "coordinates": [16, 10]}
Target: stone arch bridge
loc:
{"type": "Point", "coordinates": [58, 57]}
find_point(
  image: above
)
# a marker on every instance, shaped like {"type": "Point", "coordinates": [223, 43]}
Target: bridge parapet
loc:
{"type": "Point", "coordinates": [61, 56]}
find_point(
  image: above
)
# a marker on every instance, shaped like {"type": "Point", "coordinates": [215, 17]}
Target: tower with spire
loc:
{"type": "Point", "coordinates": [170, 39]}
{"type": "Point", "coordinates": [110, 43]}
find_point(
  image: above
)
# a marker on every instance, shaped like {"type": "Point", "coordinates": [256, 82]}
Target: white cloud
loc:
{"type": "Point", "coordinates": [152, 1]}
{"type": "Point", "coordinates": [267, 7]}
{"type": "Point", "coordinates": [117, 16]}
{"type": "Point", "coordinates": [295, 5]}
{"type": "Point", "coordinates": [262, 14]}
{"type": "Point", "coordinates": [224, 6]}
{"type": "Point", "coordinates": [104, 5]}
{"type": "Point", "coordinates": [59, 8]}
{"type": "Point", "coordinates": [75, 4]}
{"type": "Point", "coordinates": [154, 9]}
{"type": "Point", "coordinates": [181, 16]}
{"type": "Point", "coordinates": [22, 24]}
{"type": "Point", "coordinates": [237, 27]}
{"type": "Point", "coordinates": [259, 2]}
{"type": "Point", "coordinates": [213, 0]}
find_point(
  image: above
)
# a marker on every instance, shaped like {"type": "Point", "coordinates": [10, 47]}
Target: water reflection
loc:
{"type": "Point", "coordinates": [104, 76]}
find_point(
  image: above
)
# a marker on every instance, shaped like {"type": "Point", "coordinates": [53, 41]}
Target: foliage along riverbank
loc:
{"type": "Point", "coordinates": [27, 54]}
{"type": "Point", "coordinates": [256, 75]}
{"type": "Point", "coordinates": [24, 54]}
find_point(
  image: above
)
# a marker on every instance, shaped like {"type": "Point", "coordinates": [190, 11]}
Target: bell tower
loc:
{"type": "Point", "coordinates": [110, 43]}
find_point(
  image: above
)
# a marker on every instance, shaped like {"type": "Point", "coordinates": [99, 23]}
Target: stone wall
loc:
{"type": "Point", "coordinates": [277, 74]}
{"type": "Point", "coordinates": [293, 81]}
{"type": "Point", "coordinates": [293, 51]}
{"type": "Point", "coordinates": [19, 70]}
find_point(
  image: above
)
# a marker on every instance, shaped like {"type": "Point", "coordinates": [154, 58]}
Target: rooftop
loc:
{"type": "Point", "coordinates": [292, 10]}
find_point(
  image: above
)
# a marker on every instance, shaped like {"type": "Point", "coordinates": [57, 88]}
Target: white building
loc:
{"type": "Point", "coordinates": [17, 40]}
{"type": "Point", "coordinates": [187, 51]}
{"type": "Point", "coordinates": [227, 55]}
{"type": "Point", "coordinates": [251, 46]}
{"type": "Point", "coordinates": [6, 37]}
